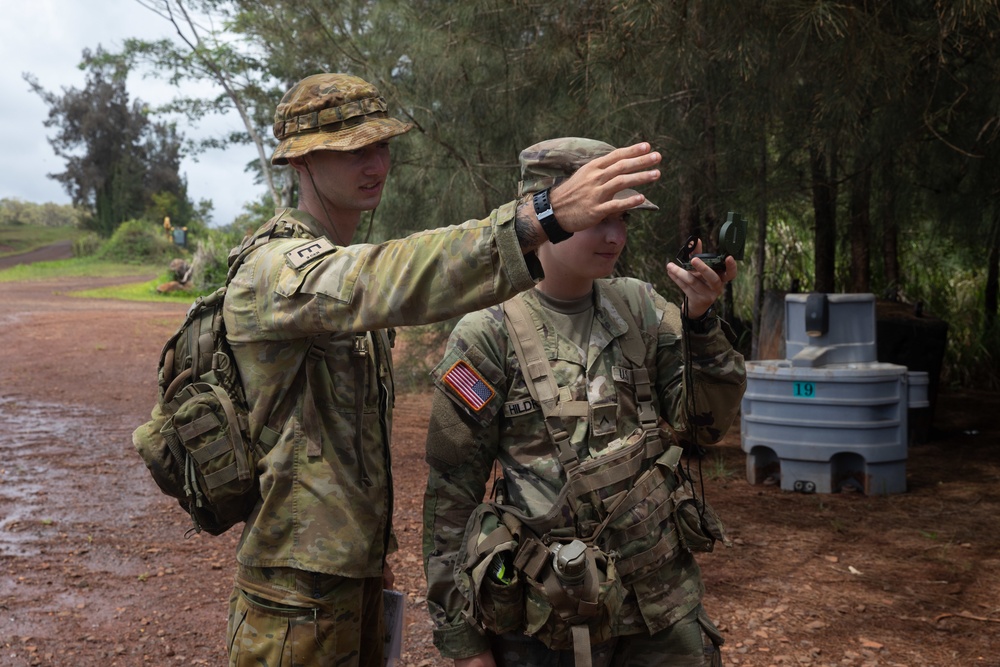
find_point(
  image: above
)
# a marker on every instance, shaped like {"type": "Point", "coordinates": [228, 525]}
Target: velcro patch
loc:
{"type": "Point", "coordinates": [604, 419]}
{"type": "Point", "coordinates": [307, 252]}
{"type": "Point", "coordinates": [619, 374]}
{"type": "Point", "coordinates": [468, 385]}
{"type": "Point", "coordinates": [518, 408]}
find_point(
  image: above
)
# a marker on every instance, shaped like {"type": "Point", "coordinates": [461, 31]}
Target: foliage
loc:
{"type": "Point", "coordinates": [18, 238]}
{"type": "Point", "coordinates": [116, 159]}
{"type": "Point", "coordinates": [137, 242]}
{"type": "Point", "coordinates": [860, 139]}
{"type": "Point", "coordinates": [16, 212]}
{"type": "Point", "coordinates": [87, 245]}
{"type": "Point", "coordinates": [255, 214]}
{"type": "Point", "coordinates": [210, 264]}
{"type": "Point", "coordinates": [207, 53]}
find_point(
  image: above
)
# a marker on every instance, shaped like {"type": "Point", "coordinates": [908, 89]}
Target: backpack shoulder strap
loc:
{"type": "Point", "coordinates": [538, 375]}
{"type": "Point", "coordinates": [277, 227]}
{"type": "Point", "coordinates": [280, 226]}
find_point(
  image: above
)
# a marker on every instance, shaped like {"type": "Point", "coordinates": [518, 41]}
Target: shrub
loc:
{"type": "Point", "coordinates": [138, 242]}
{"type": "Point", "coordinates": [210, 264]}
{"type": "Point", "coordinates": [87, 245]}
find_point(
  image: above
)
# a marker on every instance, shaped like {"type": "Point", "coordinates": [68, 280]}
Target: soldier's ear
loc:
{"type": "Point", "coordinates": [298, 163]}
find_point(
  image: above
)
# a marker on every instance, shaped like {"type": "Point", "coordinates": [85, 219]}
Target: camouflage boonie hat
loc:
{"type": "Point", "coordinates": [550, 162]}
{"type": "Point", "coordinates": [334, 112]}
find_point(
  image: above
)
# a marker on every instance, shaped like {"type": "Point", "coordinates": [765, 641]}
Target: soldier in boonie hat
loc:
{"type": "Point", "coordinates": [308, 313]}
{"type": "Point", "coordinates": [551, 162]}
{"type": "Point", "coordinates": [332, 111]}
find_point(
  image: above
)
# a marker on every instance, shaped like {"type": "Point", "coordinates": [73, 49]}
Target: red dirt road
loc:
{"type": "Point", "coordinates": [61, 250]}
{"type": "Point", "coordinates": [95, 569]}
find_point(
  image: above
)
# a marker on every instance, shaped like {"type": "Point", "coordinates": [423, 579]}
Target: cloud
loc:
{"type": "Point", "coordinates": [46, 38]}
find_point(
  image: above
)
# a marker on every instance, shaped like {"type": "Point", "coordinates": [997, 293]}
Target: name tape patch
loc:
{"type": "Point", "coordinates": [518, 408]}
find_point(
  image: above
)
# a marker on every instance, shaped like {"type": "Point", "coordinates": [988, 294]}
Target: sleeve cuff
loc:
{"type": "Point", "coordinates": [513, 260]}
{"type": "Point", "coordinates": [703, 324]}
{"type": "Point", "coordinates": [460, 641]}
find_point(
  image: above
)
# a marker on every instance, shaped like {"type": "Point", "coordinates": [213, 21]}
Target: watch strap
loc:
{"type": "Point", "coordinates": [703, 324]}
{"type": "Point", "coordinates": [547, 217]}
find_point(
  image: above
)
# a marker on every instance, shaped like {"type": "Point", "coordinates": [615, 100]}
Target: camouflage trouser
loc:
{"type": "Point", "coordinates": [280, 617]}
{"type": "Point", "coordinates": [691, 642]}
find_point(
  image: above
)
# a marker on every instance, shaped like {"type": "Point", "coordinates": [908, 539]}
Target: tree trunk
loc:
{"type": "Point", "coordinates": [890, 230]}
{"type": "Point", "coordinates": [992, 276]}
{"type": "Point", "coordinates": [761, 255]}
{"type": "Point", "coordinates": [860, 280]}
{"type": "Point", "coordinates": [824, 193]}
{"type": "Point", "coordinates": [710, 169]}
{"type": "Point", "coordinates": [685, 209]}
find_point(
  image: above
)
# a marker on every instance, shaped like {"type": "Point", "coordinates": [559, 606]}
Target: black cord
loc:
{"type": "Point", "coordinates": [689, 385]}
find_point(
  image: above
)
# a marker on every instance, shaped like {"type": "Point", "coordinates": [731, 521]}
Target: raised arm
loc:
{"type": "Point", "coordinates": [587, 197]}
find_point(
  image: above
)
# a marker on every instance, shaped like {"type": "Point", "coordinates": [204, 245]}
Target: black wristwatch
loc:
{"type": "Point", "coordinates": [547, 218]}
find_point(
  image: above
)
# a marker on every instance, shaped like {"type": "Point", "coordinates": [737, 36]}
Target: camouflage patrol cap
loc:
{"type": "Point", "coordinates": [550, 162]}
{"type": "Point", "coordinates": [334, 112]}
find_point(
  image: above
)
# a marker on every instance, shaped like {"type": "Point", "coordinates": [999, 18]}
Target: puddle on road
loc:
{"type": "Point", "coordinates": [53, 460]}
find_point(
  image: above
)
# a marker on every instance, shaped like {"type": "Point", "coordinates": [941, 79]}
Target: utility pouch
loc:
{"type": "Point", "coordinates": [501, 604]}
{"type": "Point", "coordinates": [557, 606]}
{"type": "Point", "coordinates": [211, 470]}
{"type": "Point", "coordinates": [598, 483]}
{"type": "Point", "coordinates": [485, 572]}
{"type": "Point", "coordinates": [698, 526]}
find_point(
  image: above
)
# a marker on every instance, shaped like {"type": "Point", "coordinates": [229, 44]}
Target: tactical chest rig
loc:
{"type": "Point", "coordinates": [619, 517]}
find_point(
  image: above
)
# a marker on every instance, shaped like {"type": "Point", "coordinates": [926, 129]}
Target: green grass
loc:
{"type": "Point", "coordinates": [15, 239]}
{"type": "Point", "coordinates": [76, 268]}
{"type": "Point", "coordinates": [144, 289]}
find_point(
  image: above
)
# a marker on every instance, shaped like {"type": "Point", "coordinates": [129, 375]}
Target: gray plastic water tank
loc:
{"type": "Point", "coordinates": [829, 417]}
{"type": "Point", "coordinates": [820, 430]}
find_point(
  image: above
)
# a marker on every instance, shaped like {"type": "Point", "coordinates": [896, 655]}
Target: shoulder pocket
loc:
{"type": "Point", "coordinates": [472, 382]}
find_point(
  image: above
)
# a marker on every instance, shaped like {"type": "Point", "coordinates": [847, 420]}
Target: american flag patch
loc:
{"type": "Point", "coordinates": [469, 385]}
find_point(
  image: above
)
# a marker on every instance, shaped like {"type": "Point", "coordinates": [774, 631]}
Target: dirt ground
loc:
{"type": "Point", "coordinates": [96, 568]}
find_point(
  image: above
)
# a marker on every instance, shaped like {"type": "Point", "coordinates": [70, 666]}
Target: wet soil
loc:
{"type": "Point", "coordinates": [97, 569]}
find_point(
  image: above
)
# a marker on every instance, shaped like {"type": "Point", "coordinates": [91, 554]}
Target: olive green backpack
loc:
{"type": "Point", "coordinates": [196, 444]}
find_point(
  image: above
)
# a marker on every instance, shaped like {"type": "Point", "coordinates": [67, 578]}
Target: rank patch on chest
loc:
{"type": "Point", "coordinates": [307, 252]}
{"type": "Point", "coordinates": [469, 385]}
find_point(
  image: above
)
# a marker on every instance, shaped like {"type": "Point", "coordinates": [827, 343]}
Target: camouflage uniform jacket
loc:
{"type": "Point", "coordinates": [317, 512]}
{"type": "Point", "coordinates": [463, 443]}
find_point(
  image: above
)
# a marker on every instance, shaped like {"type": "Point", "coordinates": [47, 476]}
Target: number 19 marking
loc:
{"type": "Point", "coordinates": [804, 389]}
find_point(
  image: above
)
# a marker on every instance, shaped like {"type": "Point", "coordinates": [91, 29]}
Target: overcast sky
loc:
{"type": "Point", "coordinates": [46, 38]}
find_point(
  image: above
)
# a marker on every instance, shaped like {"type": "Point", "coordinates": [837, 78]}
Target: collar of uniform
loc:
{"type": "Point", "coordinates": [615, 322]}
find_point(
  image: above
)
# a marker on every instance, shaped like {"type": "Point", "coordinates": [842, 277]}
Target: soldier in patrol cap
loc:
{"type": "Point", "coordinates": [616, 352]}
{"type": "Point", "coordinates": [309, 317]}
